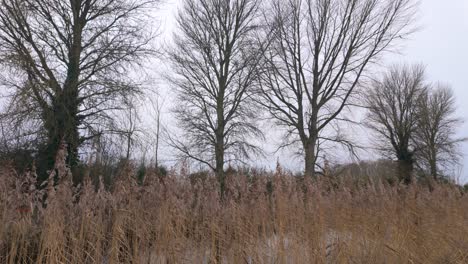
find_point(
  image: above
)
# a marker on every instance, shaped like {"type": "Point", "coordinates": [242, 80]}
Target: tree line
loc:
{"type": "Point", "coordinates": [69, 69]}
{"type": "Point", "coordinates": [415, 121]}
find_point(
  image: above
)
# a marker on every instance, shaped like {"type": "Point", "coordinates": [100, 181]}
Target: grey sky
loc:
{"type": "Point", "coordinates": [440, 44]}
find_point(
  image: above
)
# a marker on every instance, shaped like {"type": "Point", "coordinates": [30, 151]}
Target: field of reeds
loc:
{"type": "Point", "coordinates": [265, 218]}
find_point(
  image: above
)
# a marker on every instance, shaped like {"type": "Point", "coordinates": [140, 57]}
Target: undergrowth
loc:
{"type": "Point", "coordinates": [264, 218]}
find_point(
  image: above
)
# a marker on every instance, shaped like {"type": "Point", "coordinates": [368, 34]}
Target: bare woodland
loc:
{"type": "Point", "coordinates": [67, 76]}
{"type": "Point", "coordinates": [119, 147]}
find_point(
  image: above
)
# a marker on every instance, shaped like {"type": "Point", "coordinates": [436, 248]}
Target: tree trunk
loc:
{"type": "Point", "coordinates": [158, 129]}
{"type": "Point", "coordinates": [310, 157]}
{"type": "Point", "coordinates": [219, 170]}
{"type": "Point", "coordinates": [61, 124]}
{"type": "Point", "coordinates": [405, 170]}
{"type": "Point", "coordinates": [129, 146]}
{"type": "Point", "coordinates": [433, 166]}
{"type": "Point", "coordinates": [219, 151]}
{"type": "Point", "coordinates": [405, 167]}
{"type": "Point", "coordinates": [71, 123]}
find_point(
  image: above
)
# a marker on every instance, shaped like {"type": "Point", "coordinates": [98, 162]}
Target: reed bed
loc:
{"type": "Point", "coordinates": [264, 218]}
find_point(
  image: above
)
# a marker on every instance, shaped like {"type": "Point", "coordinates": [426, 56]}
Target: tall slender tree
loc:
{"type": "Point", "coordinates": [435, 136]}
{"type": "Point", "coordinates": [214, 60]}
{"type": "Point", "coordinates": [317, 56]}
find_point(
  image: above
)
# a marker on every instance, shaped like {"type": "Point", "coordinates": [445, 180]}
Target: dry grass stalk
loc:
{"type": "Point", "coordinates": [265, 218]}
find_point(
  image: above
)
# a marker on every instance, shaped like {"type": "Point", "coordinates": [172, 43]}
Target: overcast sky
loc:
{"type": "Point", "coordinates": [441, 44]}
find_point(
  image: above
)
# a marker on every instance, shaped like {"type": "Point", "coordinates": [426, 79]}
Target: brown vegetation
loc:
{"type": "Point", "coordinates": [264, 218]}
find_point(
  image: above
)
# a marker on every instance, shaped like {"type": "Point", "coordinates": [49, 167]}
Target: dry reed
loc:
{"type": "Point", "coordinates": [265, 218]}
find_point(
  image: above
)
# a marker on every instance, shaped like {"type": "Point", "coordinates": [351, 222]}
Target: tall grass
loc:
{"type": "Point", "coordinates": [265, 218]}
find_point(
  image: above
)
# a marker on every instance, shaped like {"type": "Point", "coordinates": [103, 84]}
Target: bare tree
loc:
{"type": "Point", "coordinates": [157, 133]}
{"type": "Point", "coordinates": [435, 136]}
{"type": "Point", "coordinates": [214, 60]}
{"type": "Point", "coordinates": [393, 113]}
{"type": "Point", "coordinates": [154, 108]}
{"type": "Point", "coordinates": [70, 61]}
{"type": "Point", "coordinates": [130, 129]}
{"type": "Point", "coordinates": [318, 55]}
